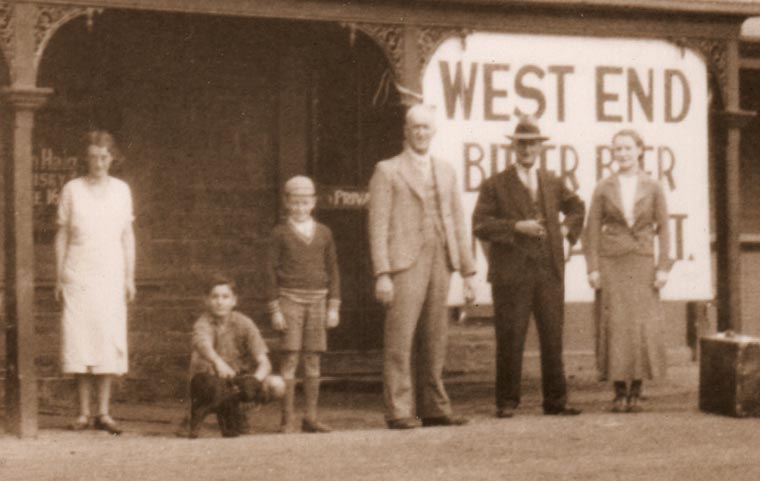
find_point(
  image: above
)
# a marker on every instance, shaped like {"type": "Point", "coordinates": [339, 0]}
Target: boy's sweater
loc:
{"type": "Point", "coordinates": [300, 264]}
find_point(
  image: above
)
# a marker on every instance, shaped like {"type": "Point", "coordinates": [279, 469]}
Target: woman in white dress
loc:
{"type": "Point", "coordinates": [95, 261]}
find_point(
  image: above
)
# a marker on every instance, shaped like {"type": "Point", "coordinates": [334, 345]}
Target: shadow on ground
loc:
{"type": "Point", "coordinates": [356, 404]}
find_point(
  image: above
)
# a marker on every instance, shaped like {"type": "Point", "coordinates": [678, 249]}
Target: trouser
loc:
{"type": "Point", "coordinates": [211, 394]}
{"type": "Point", "coordinates": [416, 330]}
{"type": "Point", "coordinates": [540, 292]}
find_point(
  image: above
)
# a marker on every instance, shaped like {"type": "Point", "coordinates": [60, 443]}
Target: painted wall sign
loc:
{"type": "Point", "coordinates": [50, 172]}
{"type": "Point", "coordinates": [343, 197]}
{"type": "Point", "coordinates": [582, 90]}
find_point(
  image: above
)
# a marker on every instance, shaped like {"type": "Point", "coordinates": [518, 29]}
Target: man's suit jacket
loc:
{"type": "Point", "coordinates": [608, 234]}
{"type": "Point", "coordinates": [396, 215]}
{"type": "Point", "coordinates": [503, 201]}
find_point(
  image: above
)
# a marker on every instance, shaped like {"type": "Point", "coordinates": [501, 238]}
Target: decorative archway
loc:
{"type": "Point", "coordinates": [23, 38]}
{"type": "Point", "coordinates": [50, 18]}
{"type": "Point", "coordinates": [408, 49]}
{"type": "Point", "coordinates": [214, 114]}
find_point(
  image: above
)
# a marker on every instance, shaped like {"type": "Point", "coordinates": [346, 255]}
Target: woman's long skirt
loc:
{"type": "Point", "coordinates": [629, 320]}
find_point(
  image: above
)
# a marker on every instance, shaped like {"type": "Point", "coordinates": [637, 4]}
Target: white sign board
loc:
{"type": "Point", "coordinates": [582, 90]}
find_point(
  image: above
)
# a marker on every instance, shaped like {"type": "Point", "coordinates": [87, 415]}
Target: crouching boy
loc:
{"type": "Point", "coordinates": [229, 363]}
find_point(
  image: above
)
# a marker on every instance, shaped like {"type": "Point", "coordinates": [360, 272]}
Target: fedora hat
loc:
{"type": "Point", "coordinates": [527, 129]}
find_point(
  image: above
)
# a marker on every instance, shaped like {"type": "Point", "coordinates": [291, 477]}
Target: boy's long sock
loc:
{"type": "Point", "coordinates": [311, 396]}
{"type": "Point", "coordinates": [288, 406]}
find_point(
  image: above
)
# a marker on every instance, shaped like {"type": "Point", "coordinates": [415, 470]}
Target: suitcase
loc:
{"type": "Point", "coordinates": [729, 375]}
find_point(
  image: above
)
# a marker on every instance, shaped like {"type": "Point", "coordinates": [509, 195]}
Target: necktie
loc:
{"type": "Point", "coordinates": [531, 185]}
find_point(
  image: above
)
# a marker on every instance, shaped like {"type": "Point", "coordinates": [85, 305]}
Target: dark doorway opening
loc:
{"type": "Point", "coordinates": [213, 114]}
{"type": "Point", "coordinates": [357, 121]}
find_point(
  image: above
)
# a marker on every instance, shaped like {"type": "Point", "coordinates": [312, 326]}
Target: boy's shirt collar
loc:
{"type": "Point", "coordinates": [304, 229]}
{"type": "Point", "coordinates": [220, 321]}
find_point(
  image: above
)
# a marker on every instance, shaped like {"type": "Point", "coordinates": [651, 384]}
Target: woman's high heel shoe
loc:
{"type": "Point", "coordinates": [634, 405]}
{"type": "Point", "coordinates": [634, 395]}
{"type": "Point", "coordinates": [619, 403]}
{"type": "Point", "coordinates": [107, 424]}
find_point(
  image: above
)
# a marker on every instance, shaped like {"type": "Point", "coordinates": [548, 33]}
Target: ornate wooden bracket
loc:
{"type": "Point", "coordinates": [389, 37]}
{"type": "Point", "coordinates": [52, 17]}
{"type": "Point", "coordinates": [408, 49]}
{"type": "Point", "coordinates": [45, 21]}
{"type": "Point", "coordinates": [431, 37]}
{"type": "Point", "coordinates": [714, 52]}
{"type": "Point", "coordinates": [6, 34]}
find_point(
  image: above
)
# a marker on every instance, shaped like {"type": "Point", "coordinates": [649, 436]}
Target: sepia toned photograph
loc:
{"type": "Point", "coordinates": [383, 240]}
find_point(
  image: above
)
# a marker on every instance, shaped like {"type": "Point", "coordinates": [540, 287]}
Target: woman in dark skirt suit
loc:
{"type": "Point", "coordinates": [628, 211]}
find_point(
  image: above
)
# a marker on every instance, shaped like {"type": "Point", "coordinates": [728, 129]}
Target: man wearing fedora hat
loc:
{"type": "Point", "coordinates": [517, 213]}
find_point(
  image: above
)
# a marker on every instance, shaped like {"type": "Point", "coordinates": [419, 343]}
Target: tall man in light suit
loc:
{"type": "Point", "coordinates": [518, 214]}
{"type": "Point", "coordinates": [417, 238]}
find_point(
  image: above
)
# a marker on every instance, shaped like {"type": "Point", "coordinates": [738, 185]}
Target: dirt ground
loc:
{"type": "Point", "coordinates": [672, 440]}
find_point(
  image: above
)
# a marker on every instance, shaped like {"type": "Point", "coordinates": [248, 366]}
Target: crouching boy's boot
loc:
{"type": "Point", "coordinates": [288, 407]}
{"type": "Point", "coordinates": [311, 396]}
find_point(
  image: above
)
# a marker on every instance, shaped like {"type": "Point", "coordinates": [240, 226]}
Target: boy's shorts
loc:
{"type": "Point", "coordinates": [306, 325]}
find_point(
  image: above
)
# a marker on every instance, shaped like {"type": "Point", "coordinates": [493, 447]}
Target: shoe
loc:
{"type": "Point", "coordinates": [183, 429]}
{"type": "Point", "coordinates": [563, 411]}
{"type": "Point", "coordinates": [287, 428]}
{"type": "Point", "coordinates": [244, 427]}
{"type": "Point", "coordinates": [444, 421]}
{"type": "Point", "coordinates": [634, 397]}
{"type": "Point", "coordinates": [402, 423]}
{"type": "Point", "coordinates": [633, 405]}
{"type": "Point", "coordinates": [619, 405]}
{"type": "Point", "coordinates": [621, 393]}
{"type": "Point", "coordinates": [81, 423]}
{"type": "Point", "coordinates": [505, 413]}
{"type": "Point", "coordinates": [309, 426]}
{"type": "Point", "coordinates": [107, 424]}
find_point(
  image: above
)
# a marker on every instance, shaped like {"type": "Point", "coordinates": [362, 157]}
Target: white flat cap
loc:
{"type": "Point", "coordinates": [300, 185]}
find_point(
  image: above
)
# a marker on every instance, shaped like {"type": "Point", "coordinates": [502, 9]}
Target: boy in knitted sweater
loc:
{"type": "Point", "coordinates": [305, 297]}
